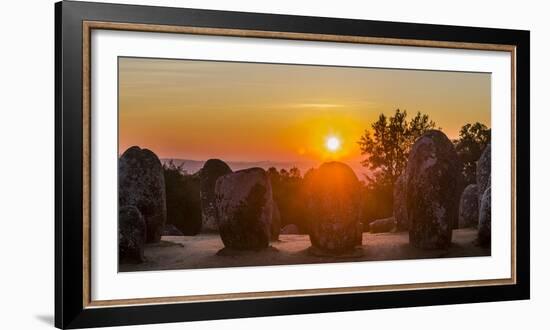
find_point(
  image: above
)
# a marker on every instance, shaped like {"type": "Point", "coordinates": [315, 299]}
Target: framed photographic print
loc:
{"type": "Point", "coordinates": [215, 164]}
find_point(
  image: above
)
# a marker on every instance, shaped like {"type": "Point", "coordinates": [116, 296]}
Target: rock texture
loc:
{"type": "Point", "coordinates": [483, 172]}
{"type": "Point", "coordinates": [275, 223]}
{"type": "Point", "coordinates": [483, 178]}
{"type": "Point", "coordinates": [484, 226]}
{"type": "Point", "coordinates": [400, 204]}
{"type": "Point", "coordinates": [244, 204]}
{"type": "Point", "coordinates": [469, 207]}
{"type": "Point", "coordinates": [382, 225]}
{"type": "Point", "coordinates": [332, 201]}
{"type": "Point", "coordinates": [291, 229]}
{"type": "Point", "coordinates": [432, 190]}
{"type": "Point", "coordinates": [209, 174]}
{"type": "Point", "coordinates": [131, 235]}
{"type": "Point", "coordinates": [141, 184]}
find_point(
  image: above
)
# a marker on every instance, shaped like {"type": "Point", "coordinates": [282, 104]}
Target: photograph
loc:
{"type": "Point", "coordinates": [216, 164]}
{"type": "Point", "coordinates": [245, 164]}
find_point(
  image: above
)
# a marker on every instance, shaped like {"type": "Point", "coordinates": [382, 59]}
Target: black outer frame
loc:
{"type": "Point", "coordinates": [69, 308]}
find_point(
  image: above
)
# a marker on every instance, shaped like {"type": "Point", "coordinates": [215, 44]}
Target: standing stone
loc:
{"type": "Point", "coordinates": [432, 190]}
{"type": "Point", "coordinates": [244, 205]}
{"type": "Point", "coordinates": [483, 178]}
{"type": "Point", "coordinates": [210, 172]}
{"type": "Point", "coordinates": [131, 235]}
{"type": "Point", "coordinates": [400, 204]}
{"type": "Point", "coordinates": [333, 208]}
{"type": "Point", "coordinates": [141, 184]}
{"type": "Point", "coordinates": [275, 223]}
{"type": "Point", "coordinates": [484, 226]}
{"type": "Point", "coordinates": [483, 172]}
{"type": "Point", "coordinates": [469, 208]}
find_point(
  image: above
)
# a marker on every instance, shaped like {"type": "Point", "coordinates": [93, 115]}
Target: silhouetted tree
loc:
{"type": "Point", "coordinates": [386, 145]}
{"type": "Point", "coordinates": [287, 189]}
{"type": "Point", "coordinates": [386, 148]}
{"type": "Point", "coordinates": [377, 203]}
{"type": "Point", "coordinates": [472, 140]}
{"type": "Point", "coordinates": [183, 203]}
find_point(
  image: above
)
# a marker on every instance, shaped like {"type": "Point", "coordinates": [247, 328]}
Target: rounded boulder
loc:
{"type": "Point", "coordinates": [382, 225]}
{"type": "Point", "coordinates": [131, 235]}
{"type": "Point", "coordinates": [291, 229]}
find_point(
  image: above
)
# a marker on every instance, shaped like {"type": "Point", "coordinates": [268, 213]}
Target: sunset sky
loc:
{"type": "Point", "coordinates": [272, 112]}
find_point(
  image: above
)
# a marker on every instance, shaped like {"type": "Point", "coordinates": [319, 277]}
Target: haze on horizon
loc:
{"type": "Point", "coordinates": [190, 109]}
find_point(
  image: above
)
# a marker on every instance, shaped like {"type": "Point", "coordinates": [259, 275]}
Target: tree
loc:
{"type": "Point", "coordinates": [287, 187]}
{"type": "Point", "coordinates": [386, 148]}
{"type": "Point", "coordinates": [472, 140]}
{"type": "Point", "coordinates": [183, 207]}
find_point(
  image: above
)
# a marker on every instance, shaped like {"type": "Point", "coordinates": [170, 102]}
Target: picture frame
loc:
{"type": "Point", "coordinates": [74, 24]}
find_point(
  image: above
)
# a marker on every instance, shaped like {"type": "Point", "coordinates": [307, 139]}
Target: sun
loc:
{"type": "Point", "coordinates": [333, 143]}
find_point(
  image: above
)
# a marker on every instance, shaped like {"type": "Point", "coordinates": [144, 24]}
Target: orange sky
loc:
{"type": "Point", "coordinates": [256, 112]}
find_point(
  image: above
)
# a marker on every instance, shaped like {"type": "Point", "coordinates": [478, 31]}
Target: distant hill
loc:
{"type": "Point", "coordinates": [193, 166]}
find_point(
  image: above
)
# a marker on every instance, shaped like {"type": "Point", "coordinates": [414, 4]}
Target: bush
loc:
{"type": "Point", "coordinates": [287, 192]}
{"type": "Point", "coordinates": [473, 139]}
{"type": "Point", "coordinates": [377, 203]}
{"type": "Point", "coordinates": [183, 203]}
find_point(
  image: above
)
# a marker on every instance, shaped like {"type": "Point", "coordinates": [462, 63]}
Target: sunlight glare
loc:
{"type": "Point", "coordinates": [333, 143]}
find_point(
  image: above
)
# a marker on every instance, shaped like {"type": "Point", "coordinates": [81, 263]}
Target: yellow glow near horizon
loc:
{"type": "Point", "coordinates": [333, 143]}
{"type": "Point", "coordinates": [235, 111]}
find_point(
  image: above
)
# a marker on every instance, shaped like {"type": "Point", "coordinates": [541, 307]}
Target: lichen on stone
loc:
{"type": "Point", "coordinates": [244, 204]}
{"type": "Point", "coordinates": [484, 226]}
{"type": "Point", "coordinates": [332, 201]}
{"type": "Point", "coordinates": [209, 174]}
{"type": "Point", "coordinates": [141, 184]}
{"type": "Point", "coordinates": [131, 235]}
{"type": "Point", "coordinates": [469, 207]}
{"type": "Point", "coordinates": [432, 190]}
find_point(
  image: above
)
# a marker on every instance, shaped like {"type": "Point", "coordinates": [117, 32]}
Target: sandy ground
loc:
{"type": "Point", "coordinates": [186, 252]}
